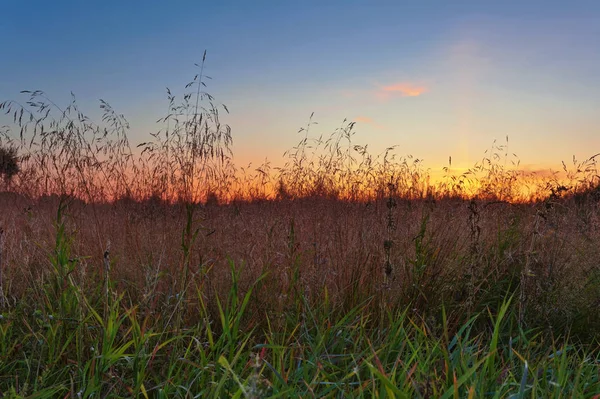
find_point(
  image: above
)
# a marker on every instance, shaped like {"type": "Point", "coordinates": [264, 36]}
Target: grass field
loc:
{"type": "Point", "coordinates": [163, 270]}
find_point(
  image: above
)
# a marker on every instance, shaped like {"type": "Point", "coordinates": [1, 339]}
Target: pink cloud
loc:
{"type": "Point", "coordinates": [406, 89]}
{"type": "Point", "coordinates": [370, 121]}
{"type": "Point", "coordinates": [400, 89]}
{"type": "Point", "coordinates": [363, 119]}
{"type": "Point", "coordinates": [386, 92]}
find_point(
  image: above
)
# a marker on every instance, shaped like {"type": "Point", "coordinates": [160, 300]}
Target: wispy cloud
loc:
{"type": "Point", "coordinates": [402, 89]}
{"type": "Point", "coordinates": [363, 119]}
{"type": "Point", "coordinates": [369, 121]}
{"type": "Point", "coordinates": [384, 92]}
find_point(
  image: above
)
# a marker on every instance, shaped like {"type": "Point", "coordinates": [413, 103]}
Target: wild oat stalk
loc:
{"type": "Point", "coordinates": [474, 234]}
{"type": "Point", "coordinates": [106, 264]}
{"type": "Point", "coordinates": [390, 228]}
{"type": "Point", "coordinates": [2, 298]}
{"type": "Point", "coordinates": [188, 157]}
{"type": "Point", "coordinates": [77, 156]}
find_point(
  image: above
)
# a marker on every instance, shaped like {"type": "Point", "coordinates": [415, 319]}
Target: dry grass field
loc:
{"type": "Point", "coordinates": [163, 270]}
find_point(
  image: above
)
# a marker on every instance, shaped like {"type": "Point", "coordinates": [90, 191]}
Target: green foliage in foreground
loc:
{"type": "Point", "coordinates": [125, 355]}
{"type": "Point", "coordinates": [96, 345]}
{"type": "Point", "coordinates": [121, 354]}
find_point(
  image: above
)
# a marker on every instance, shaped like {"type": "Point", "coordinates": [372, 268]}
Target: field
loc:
{"type": "Point", "coordinates": [163, 270]}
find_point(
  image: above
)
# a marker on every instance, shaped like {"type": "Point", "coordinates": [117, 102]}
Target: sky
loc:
{"type": "Point", "coordinates": [435, 78]}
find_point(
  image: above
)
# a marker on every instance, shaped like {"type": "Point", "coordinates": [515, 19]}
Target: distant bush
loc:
{"type": "Point", "coordinates": [9, 162]}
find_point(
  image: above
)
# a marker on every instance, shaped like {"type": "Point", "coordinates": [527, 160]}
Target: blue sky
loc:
{"type": "Point", "coordinates": [435, 78]}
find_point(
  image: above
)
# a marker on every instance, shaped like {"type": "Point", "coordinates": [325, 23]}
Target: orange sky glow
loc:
{"type": "Point", "coordinates": [435, 82]}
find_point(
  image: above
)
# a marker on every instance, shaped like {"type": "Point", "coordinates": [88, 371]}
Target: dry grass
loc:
{"type": "Point", "coordinates": [437, 257]}
{"type": "Point", "coordinates": [163, 232]}
{"type": "Point", "coordinates": [357, 223]}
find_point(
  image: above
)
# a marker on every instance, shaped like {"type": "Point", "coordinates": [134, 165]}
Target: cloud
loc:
{"type": "Point", "coordinates": [383, 92]}
{"type": "Point", "coordinates": [363, 119]}
{"type": "Point", "coordinates": [400, 89]}
{"type": "Point", "coordinates": [406, 89]}
{"type": "Point", "coordinates": [370, 121]}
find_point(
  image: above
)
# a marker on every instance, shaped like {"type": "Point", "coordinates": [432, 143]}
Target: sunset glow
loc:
{"type": "Point", "coordinates": [432, 82]}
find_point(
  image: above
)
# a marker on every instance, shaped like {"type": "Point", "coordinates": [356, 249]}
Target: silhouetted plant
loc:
{"type": "Point", "coordinates": [9, 163]}
{"type": "Point", "coordinates": [64, 152]}
{"type": "Point", "coordinates": [189, 157]}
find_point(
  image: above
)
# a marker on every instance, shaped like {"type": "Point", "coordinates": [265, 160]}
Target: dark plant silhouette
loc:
{"type": "Point", "coordinates": [9, 163]}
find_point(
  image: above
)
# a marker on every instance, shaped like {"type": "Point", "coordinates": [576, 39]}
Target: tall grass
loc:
{"type": "Point", "coordinates": [62, 346]}
{"type": "Point", "coordinates": [163, 270]}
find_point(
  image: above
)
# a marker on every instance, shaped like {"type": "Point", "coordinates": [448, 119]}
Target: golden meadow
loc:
{"type": "Point", "coordinates": [162, 269]}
